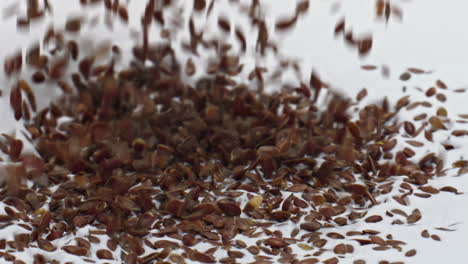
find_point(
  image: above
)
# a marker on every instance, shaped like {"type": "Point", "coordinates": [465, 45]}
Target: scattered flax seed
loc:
{"type": "Point", "coordinates": [405, 76]}
{"type": "Point", "coordinates": [416, 70]}
{"type": "Point", "coordinates": [374, 219]}
{"type": "Point", "coordinates": [410, 253]}
{"type": "Point", "coordinates": [425, 233]}
{"type": "Point", "coordinates": [441, 97]}
{"type": "Point", "coordinates": [149, 161]}
{"type": "Point", "coordinates": [362, 94]}
{"type": "Point", "coordinates": [369, 67]}
{"type": "Point", "coordinates": [441, 84]}
{"type": "Point", "coordinates": [431, 91]}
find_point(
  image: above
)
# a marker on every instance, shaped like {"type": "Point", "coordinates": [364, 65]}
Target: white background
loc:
{"type": "Point", "coordinates": [432, 36]}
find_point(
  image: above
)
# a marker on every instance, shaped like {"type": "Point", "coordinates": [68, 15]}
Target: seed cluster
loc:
{"type": "Point", "coordinates": [138, 166]}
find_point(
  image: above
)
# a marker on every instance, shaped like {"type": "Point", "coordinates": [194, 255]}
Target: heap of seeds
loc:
{"type": "Point", "coordinates": [138, 166]}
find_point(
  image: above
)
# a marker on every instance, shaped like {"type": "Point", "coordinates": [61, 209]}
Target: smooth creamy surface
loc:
{"type": "Point", "coordinates": [429, 38]}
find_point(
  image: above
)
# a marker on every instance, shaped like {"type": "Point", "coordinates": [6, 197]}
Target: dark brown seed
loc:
{"type": "Point", "coordinates": [253, 250]}
{"type": "Point", "coordinates": [316, 84]}
{"type": "Point", "coordinates": [235, 254]}
{"type": "Point", "coordinates": [190, 68]}
{"type": "Point", "coordinates": [431, 91]}
{"type": "Point", "coordinates": [276, 242]}
{"type": "Point", "coordinates": [449, 189]}
{"type": "Point", "coordinates": [441, 97]}
{"type": "Point", "coordinates": [199, 5]}
{"type": "Point", "coordinates": [340, 27]}
{"type": "Point", "coordinates": [76, 250]}
{"type": "Point", "coordinates": [414, 216]}
{"type": "Point", "coordinates": [333, 260]}
{"type": "Point", "coordinates": [335, 235]}
{"type": "Point", "coordinates": [302, 6]}
{"type": "Point", "coordinates": [201, 257]}
{"type": "Point", "coordinates": [460, 164]}
{"type": "Point", "coordinates": [73, 25]}
{"type": "Point", "coordinates": [65, 87]}
{"type": "Point", "coordinates": [435, 237]}
{"type": "Point", "coordinates": [240, 36]}
{"type": "Point", "coordinates": [123, 14]}
{"type": "Point", "coordinates": [441, 84]}
{"type": "Point", "coordinates": [402, 102]}
{"type": "Point", "coordinates": [188, 240]}
{"type": "Point", "coordinates": [361, 94]}
{"type": "Point", "coordinates": [460, 133]}
{"type": "Point", "coordinates": [410, 253]}
{"type": "Point", "coordinates": [309, 261]}
{"type": "Point", "coordinates": [405, 76]}
{"type": "Point", "coordinates": [381, 248]}
{"type": "Point", "coordinates": [409, 128]}
{"type": "Point", "coordinates": [374, 219]}
{"type": "Point", "coordinates": [229, 208]}
{"type": "Point", "coordinates": [369, 67]}
{"type": "Point", "coordinates": [420, 117]}
{"type": "Point", "coordinates": [73, 49]}
{"type": "Point", "coordinates": [85, 66]}
{"type": "Point", "coordinates": [224, 24]}
{"type": "Point", "coordinates": [428, 135]}
{"type": "Point", "coordinates": [29, 94]}
{"type": "Point", "coordinates": [364, 46]}
{"type": "Point", "coordinates": [341, 249]}
{"type": "Point", "coordinates": [15, 101]}
{"type": "Point", "coordinates": [46, 245]}
{"type": "Point", "coordinates": [57, 68]}
{"type": "Point", "coordinates": [285, 23]}
{"type": "Point", "coordinates": [311, 226]}
{"type": "Point", "coordinates": [425, 234]}
{"type": "Point", "coordinates": [104, 254]}
{"type": "Point", "coordinates": [423, 195]}
{"type": "Point", "coordinates": [429, 189]}
{"type": "Point", "coordinates": [281, 216]}
{"type": "Point", "coordinates": [415, 143]}
{"type": "Point", "coordinates": [38, 77]}
{"type": "Point", "coordinates": [378, 240]}
{"type": "Point", "coordinates": [416, 70]}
